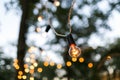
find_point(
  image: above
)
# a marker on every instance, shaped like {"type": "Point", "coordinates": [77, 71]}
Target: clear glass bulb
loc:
{"type": "Point", "coordinates": [74, 51]}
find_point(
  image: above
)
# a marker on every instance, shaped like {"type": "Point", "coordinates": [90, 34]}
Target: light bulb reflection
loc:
{"type": "Point", "coordinates": [74, 51]}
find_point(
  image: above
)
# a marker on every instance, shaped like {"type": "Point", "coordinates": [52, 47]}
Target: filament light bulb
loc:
{"type": "Point", "coordinates": [74, 51]}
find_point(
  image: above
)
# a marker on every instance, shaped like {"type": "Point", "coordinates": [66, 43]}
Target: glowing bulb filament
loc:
{"type": "Point", "coordinates": [74, 51]}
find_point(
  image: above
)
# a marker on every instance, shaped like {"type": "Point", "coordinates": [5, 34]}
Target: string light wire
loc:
{"type": "Point", "coordinates": [69, 15]}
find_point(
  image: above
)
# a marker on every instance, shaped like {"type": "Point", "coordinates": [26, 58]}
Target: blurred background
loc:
{"type": "Point", "coordinates": [29, 52]}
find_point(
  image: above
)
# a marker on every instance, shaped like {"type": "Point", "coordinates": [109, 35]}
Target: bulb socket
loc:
{"type": "Point", "coordinates": [70, 40]}
{"type": "Point", "coordinates": [47, 28]}
{"type": "Point", "coordinates": [40, 49]}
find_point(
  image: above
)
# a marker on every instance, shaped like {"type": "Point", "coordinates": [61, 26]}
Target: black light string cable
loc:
{"type": "Point", "coordinates": [69, 25]}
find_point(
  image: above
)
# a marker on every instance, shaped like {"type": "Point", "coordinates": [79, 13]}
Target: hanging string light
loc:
{"type": "Point", "coordinates": [74, 51]}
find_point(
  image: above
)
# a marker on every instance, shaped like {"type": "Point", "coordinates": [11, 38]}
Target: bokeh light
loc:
{"type": "Point", "coordinates": [68, 63]}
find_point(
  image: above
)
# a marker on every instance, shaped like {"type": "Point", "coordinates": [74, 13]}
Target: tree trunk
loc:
{"type": "Point", "coordinates": [21, 48]}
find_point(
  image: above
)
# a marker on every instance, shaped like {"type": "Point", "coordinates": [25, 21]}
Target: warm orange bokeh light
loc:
{"type": "Point", "coordinates": [31, 49]}
{"type": "Point", "coordinates": [26, 70]}
{"type": "Point", "coordinates": [24, 76]}
{"type": "Point", "coordinates": [108, 57]}
{"type": "Point", "coordinates": [46, 63]}
{"type": "Point", "coordinates": [20, 72]}
{"type": "Point", "coordinates": [52, 63]}
{"type": "Point", "coordinates": [19, 77]}
{"type": "Point", "coordinates": [15, 60]}
{"type": "Point", "coordinates": [25, 65]}
{"type": "Point", "coordinates": [31, 78]}
{"type": "Point", "coordinates": [68, 63]}
{"type": "Point", "coordinates": [14, 64]}
{"type": "Point", "coordinates": [32, 67]}
{"type": "Point", "coordinates": [74, 59]}
{"type": "Point", "coordinates": [81, 59]}
{"type": "Point", "coordinates": [39, 69]}
{"type": "Point", "coordinates": [32, 60]}
{"type": "Point", "coordinates": [35, 64]}
{"type": "Point", "coordinates": [90, 65]}
{"type": "Point", "coordinates": [17, 67]}
{"type": "Point", "coordinates": [59, 66]}
{"type": "Point", "coordinates": [31, 71]}
{"type": "Point", "coordinates": [32, 56]}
